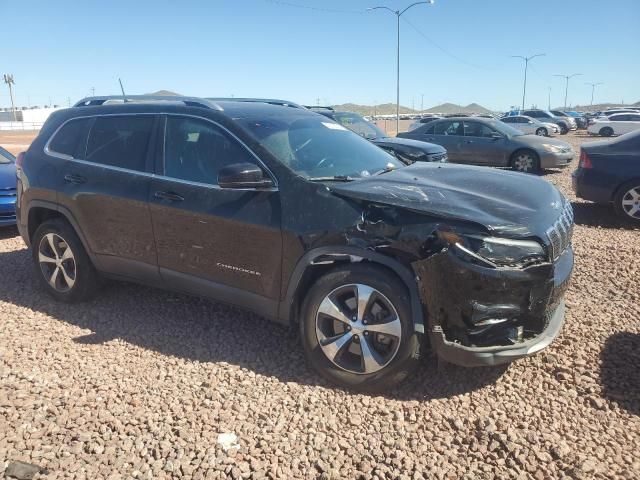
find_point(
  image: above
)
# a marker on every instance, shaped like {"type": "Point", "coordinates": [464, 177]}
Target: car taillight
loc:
{"type": "Point", "coordinates": [585, 161]}
{"type": "Point", "coordinates": [20, 160]}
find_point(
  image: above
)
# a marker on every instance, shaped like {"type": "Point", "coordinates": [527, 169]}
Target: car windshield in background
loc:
{"type": "Point", "coordinates": [505, 129]}
{"type": "Point", "coordinates": [318, 148]}
{"type": "Point", "coordinates": [6, 157]}
{"type": "Point", "coordinates": [359, 125]}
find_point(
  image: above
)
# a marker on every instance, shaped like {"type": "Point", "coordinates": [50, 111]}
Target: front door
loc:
{"type": "Point", "coordinates": [213, 241]}
{"type": "Point", "coordinates": [479, 146]}
{"type": "Point", "coordinates": [450, 135]}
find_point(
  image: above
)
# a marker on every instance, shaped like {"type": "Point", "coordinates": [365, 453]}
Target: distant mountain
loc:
{"type": "Point", "coordinates": [164, 93]}
{"type": "Point", "coordinates": [449, 108]}
{"type": "Point", "coordinates": [599, 106]}
{"type": "Point", "coordinates": [384, 109]}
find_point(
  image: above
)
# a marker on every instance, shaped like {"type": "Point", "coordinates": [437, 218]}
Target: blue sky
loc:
{"type": "Point", "coordinates": [268, 48]}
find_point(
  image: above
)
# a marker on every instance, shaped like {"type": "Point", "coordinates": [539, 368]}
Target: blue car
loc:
{"type": "Point", "coordinates": [7, 188]}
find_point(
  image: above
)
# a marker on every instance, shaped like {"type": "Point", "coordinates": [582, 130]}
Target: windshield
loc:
{"type": "Point", "coordinates": [318, 148]}
{"type": "Point", "coordinates": [356, 123]}
{"type": "Point", "coordinates": [6, 157]}
{"type": "Point", "coordinates": [505, 129]}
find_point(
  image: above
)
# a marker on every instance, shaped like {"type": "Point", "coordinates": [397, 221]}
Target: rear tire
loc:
{"type": "Point", "coordinates": [606, 131]}
{"type": "Point", "coordinates": [378, 349]}
{"type": "Point", "coordinates": [542, 132]}
{"type": "Point", "coordinates": [526, 161]}
{"type": "Point", "coordinates": [627, 202]}
{"type": "Point", "coordinates": [563, 129]}
{"type": "Point", "coordinates": [61, 263]}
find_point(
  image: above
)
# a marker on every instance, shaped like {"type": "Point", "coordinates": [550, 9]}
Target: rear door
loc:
{"type": "Point", "coordinates": [214, 241]}
{"type": "Point", "coordinates": [479, 147]}
{"type": "Point", "coordinates": [450, 135]}
{"type": "Point", "coordinates": [106, 183]}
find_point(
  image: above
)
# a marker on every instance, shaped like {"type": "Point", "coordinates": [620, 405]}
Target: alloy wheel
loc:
{"type": "Point", "coordinates": [57, 262]}
{"type": "Point", "coordinates": [358, 329]}
{"type": "Point", "coordinates": [631, 202]}
{"type": "Point", "coordinates": [523, 162]}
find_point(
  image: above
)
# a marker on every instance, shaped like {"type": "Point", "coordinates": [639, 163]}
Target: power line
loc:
{"type": "Point", "coordinates": [444, 50]}
{"type": "Point", "coordinates": [309, 7]}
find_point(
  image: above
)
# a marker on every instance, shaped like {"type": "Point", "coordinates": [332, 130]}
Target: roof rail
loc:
{"type": "Point", "coordinates": [111, 99]}
{"type": "Point", "coordinates": [270, 101]}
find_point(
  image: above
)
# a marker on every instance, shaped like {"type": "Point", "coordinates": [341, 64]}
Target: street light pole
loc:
{"type": "Point", "coordinates": [566, 87]}
{"type": "Point", "coordinates": [593, 87]}
{"type": "Point", "coordinates": [549, 99]}
{"type": "Point", "coordinates": [526, 66]}
{"type": "Point", "coordinates": [398, 14]}
{"type": "Point", "coordinates": [8, 79]}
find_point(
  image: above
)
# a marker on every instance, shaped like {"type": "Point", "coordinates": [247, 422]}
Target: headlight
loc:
{"type": "Point", "coordinates": [552, 148]}
{"type": "Point", "coordinates": [494, 251]}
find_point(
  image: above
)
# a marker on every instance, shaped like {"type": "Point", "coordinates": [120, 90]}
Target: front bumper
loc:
{"type": "Point", "coordinates": [7, 210]}
{"type": "Point", "coordinates": [473, 312]}
{"type": "Point", "coordinates": [556, 160]}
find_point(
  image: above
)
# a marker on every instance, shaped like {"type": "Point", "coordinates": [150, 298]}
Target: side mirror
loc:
{"type": "Point", "coordinates": [243, 175]}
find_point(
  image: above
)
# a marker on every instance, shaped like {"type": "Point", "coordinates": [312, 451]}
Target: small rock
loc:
{"type": "Point", "coordinates": [23, 471]}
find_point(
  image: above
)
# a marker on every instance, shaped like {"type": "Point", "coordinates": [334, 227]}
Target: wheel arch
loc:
{"type": "Point", "coordinates": [40, 211]}
{"type": "Point", "coordinates": [623, 184]}
{"type": "Point", "coordinates": [320, 260]}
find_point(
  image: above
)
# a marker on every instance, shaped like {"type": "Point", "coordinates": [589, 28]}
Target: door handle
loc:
{"type": "Point", "coordinates": [172, 196]}
{"type": "Point", "coordinates": [468, 141]}
{"type": "Point", "coordinates": [70, 178]}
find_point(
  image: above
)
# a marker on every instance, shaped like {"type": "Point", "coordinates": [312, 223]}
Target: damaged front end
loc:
{"type": "Point", "coordinates": [486, 299]}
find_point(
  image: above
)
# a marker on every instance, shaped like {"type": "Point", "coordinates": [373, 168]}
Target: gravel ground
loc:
{"type": "Point", "coordinates": [139, 383]}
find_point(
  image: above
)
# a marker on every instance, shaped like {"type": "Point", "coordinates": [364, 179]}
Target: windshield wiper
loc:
{"type": "Point", "coordinates": [385, 170]}
{"type": "Point", "coordinates": [335, 178]}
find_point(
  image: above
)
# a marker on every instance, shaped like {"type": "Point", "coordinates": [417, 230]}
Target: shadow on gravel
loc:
{"type": "Point", "coordinates": [200, 330]}
{"type": "Point", "coordinates": [598, 215]}
{"type": "Point", "coordinates": [8, 232]}
{"type": "Point", "coordinates": [620, 371]}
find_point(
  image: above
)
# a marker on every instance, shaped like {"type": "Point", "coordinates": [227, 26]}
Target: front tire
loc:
{"type": "Point", "coordinates": [542, 132]}
{"type": "Point", "coordinates": [61, 263]}
{"type": "Point", "coordinates": [526, 161]}
{"type": "Point", "coordinates": [563, 129]}
{"type": "Point", "coordinates": [357, 330]}
{"type": "Point", "coordinates": [606, 131]}
{"type": "Point", "coordinates": [627, 202]}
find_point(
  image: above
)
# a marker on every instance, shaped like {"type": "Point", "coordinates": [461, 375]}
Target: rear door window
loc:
{"type": "Point", "coordinates": [477, 129]}
{"type": "Point", "coordinates": [448, 128]}
{"type": "Point", "coordinates": [70, 139]}
{"type": "Point", "coordinates": [120, 141]}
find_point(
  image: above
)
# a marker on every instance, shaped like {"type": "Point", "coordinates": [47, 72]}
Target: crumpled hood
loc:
{"type": "Point", "coordinates": [508, 203]}
{"type": "Point", "coordinates": [424, 146]}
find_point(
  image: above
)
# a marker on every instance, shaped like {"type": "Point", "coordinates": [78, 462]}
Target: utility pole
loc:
{"type": "Point", "coordinates": [526, 67]}
{"type": "Point", "coordinates": [593, 87]}
{"type": "Point", "coordinates": [93, 91]}
{"type": "Point", "coordinates": [68, 101]}
{"type": "Point", "coordinates": [8, 79]}
{"type": "Point", "coordinates": [549, 99]}
{"type": "Point", "coordinates": [566, 88]}
{"type": "Point", "coordinates": [398, 14]}
{"type": "Point", "coordinates": [422, 104]}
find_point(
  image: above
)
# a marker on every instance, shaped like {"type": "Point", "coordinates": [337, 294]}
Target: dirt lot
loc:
{"type": "Point", "coordinates": [138, 383]}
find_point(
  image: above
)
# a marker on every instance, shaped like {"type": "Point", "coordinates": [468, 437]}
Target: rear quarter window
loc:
{"type": "Point", "coordinates": [70, 138]}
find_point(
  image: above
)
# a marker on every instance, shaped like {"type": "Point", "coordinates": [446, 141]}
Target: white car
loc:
{"type": "Point", "coordinates": [615, 124]}
{"type": "Point", "coordinates": [530, 125]}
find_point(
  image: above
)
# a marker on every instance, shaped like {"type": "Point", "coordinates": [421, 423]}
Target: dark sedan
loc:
{"type": "Point", "coordinates": [7, 188]}
{"type": "Point", "coordinates": [609, 172]}
{"type": "Point", "coordinates": [408, 151]}
{"type": "Point", "coordinates": [481, 141]}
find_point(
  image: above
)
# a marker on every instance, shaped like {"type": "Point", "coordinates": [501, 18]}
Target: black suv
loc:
{"type": "Point", "coordinates": [287, 213]}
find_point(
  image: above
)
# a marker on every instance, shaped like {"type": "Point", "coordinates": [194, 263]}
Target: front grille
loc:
{"type": "Point", "coordinates": [7, 192]}
{"type": "Point", "coordinates": [560, 233]}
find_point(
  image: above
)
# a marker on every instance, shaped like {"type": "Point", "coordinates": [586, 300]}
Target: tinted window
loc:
{"type": "Point", "coordinates": [619, 118]}
{"type": "Point", "coordinates": [427, 130]}
{"type": "Point", "coordinates": [70, 138]}
{"type": "Point", "coordinates": [120, 141]}
{"type": "Point", "coordinates": [196, 150]}
{"type": "Point", "coordinates": [510, 120]}
{"type": "Point", "coordinates": [6, 157]}
{"type": "Point", "coordinates": [634, 118]}
{"type": "Point", "coordinates": [477, 129]}
{"type": "Point", "coordinates": [448, 128]}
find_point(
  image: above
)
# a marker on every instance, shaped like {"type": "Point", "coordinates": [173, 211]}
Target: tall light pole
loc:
{"type": "Point", "coordinates": [526, 66]}
{"type": "Point", "coordinates": [593, 88]}
{"type": "Point", "coordinates": [549, 99]}
{"type": "Point", "coordinates": [8, 79]}
{"type": "Point", "coordinates": [398, 14]}
{"type": "Point", "coordinates": [566, 87]}
{"type": "Point", "coordinates": [422, 104]}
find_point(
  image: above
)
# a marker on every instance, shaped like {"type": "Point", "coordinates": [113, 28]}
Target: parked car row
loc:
{"type": "Point", "coordinates": [531, 126]}
{"type": "Point", "coordinates": [615, 124]}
